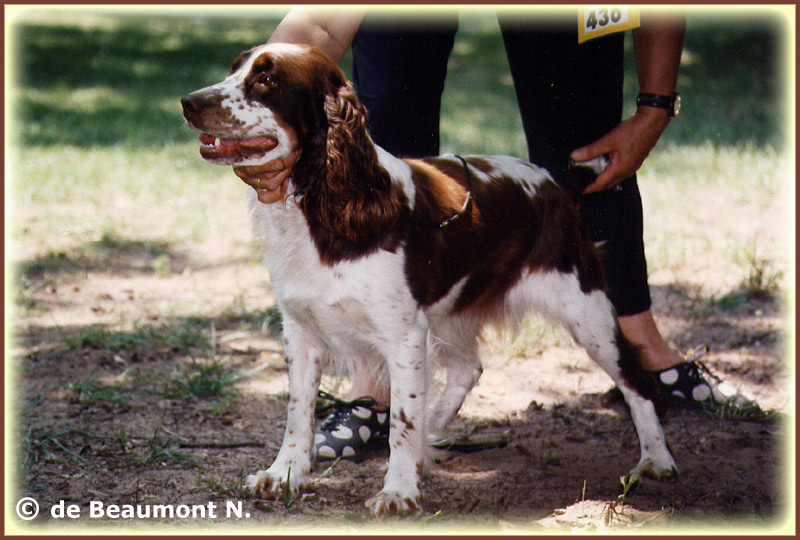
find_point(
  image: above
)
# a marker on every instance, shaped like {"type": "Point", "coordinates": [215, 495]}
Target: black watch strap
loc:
{"type": "Point", "coordinates": [671, 103]}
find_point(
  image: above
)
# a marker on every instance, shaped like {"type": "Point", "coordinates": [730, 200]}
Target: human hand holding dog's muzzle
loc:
{"type": "Point", "coordinates": [270, 180]}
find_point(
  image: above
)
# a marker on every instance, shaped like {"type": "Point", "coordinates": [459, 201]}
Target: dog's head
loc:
{"type": "Point", "coordinates": [280, 98]}
{"type": "Point", "coordinates": [272, 99]}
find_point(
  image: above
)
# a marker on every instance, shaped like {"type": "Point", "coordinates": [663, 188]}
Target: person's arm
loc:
{"type": "Point", "coordinates": [329, 30]}
{"type": "Point", "coordinates": [657, 44]}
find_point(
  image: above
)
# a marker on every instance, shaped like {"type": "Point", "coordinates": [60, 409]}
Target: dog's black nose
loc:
{"type": "Point", "coordinates": [191, 104]}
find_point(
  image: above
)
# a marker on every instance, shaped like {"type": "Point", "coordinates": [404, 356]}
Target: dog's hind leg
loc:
{"type": "Point", "coordinates": [455, 342]}
{"type": "Point", "coordinates": [590, 318]}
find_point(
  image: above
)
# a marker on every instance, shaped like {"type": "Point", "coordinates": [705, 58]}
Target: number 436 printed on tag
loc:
{"type": "Point", "coordinates": [596, 21]}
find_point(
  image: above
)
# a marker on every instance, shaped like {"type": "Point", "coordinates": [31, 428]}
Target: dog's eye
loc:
{"type": "Point", "coordinates": [265, 79]}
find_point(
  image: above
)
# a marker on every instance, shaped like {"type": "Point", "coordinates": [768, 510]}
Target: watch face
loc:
{"type": "Point", "coordinates": [677, 107]}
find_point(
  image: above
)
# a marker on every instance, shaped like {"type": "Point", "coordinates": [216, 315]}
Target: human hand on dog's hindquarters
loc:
{"type": "Point", "coordinates": [627, 146]}
{"type": "Point", "coordinates": [657, 44]}
{"type": "Point", "coordinates": [270, 179]}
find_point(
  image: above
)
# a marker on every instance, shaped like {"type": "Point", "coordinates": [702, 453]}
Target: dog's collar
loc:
{"type": "Point", "coordinates": [455, 217]}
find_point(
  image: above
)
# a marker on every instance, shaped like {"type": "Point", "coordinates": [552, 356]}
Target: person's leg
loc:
{"type": "Point", "coordinates": [399, 69]}
{"type": "Point", "coordinates": [366, 385]}
{"type": "Point", "coordinates": [615, 221]}
{"type": "Point", "coordinates": [658, 355]}
{"type": "Point", "coordinates": [570, 94]}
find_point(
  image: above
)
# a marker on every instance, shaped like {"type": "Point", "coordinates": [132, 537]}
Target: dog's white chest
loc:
{"type": "Point", "coordinates": [347, 305]}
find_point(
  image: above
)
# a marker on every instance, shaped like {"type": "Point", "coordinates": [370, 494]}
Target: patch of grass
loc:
{"type": "Point", "coordinates": [123, 440]}
{"type": "Point", "coordinates": [161, 266]}
{"type": "Point", "coordinates": [26, 304]}
{"type": "Point", "coordinates": [282, 397]}
{"type": "Point", "coordinates": [184, 335]}
{"type": "Point", "coordinates": [479, 87]}
{"type": "Point", "coordinates": [762, 279]}
{"type": "Point", "coordinates": [110, 245]}
{"type": "Point", "coordinates": [214, 380]}
{"type": "Point", "coordinates": [52, 262]}
{"type": "Point", "coordinates": [684, 238]}
{"type": "Point", "coordinates": [732, 302]}
{"type": "Point", "coordinates": [27, 277]}
{"type": "Point", "coordinates": [225, 487]}
{"type": "Point", "coordinates": [96, 120]}
{"type": "Point", "coordinates": [266, 320]}
{"type": "Point", "coordinates": [110, 253]}
{"type": "Point", "coordinates": [113, 251]}
{"type": "Point", "coordinates": [163, 452]}
{"type": "Point", "coordinates": [88, 390]}
{"type": "Point", "coordinates": [100, 338]}
{"type": "Point", "coordinates": [137, 377]}
{"type": "Point", "coordinates": [38, 444]}
{"type": "Point", "coordinates": [723, 104]}
{"type": "Point", "coordinates": [730, 410]}
{"type": "Point", "coordinates": [30, 405]}
{"type": "Point", "coordinates": [127, 70]}
{"type": "Point", "coordinates": [287, 491]}
{"type": "Point", "coordinates": [30, 276]}
{"type": "Point", "coordinates": [273, 320]}
{"type": "Point", "coordinates": [705, 305]}
{"type": "Point", "coordinates": [613, 510]}
{"type": "Point", "coordinates": [331, 470]}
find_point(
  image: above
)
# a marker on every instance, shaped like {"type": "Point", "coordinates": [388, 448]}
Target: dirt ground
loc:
{"type": "Point", "coordinates": [104, 422]}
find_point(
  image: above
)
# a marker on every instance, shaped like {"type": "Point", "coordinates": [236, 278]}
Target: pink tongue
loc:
{"type": "Point", "coordinates": [258, 144]}
{"type": "Point", "coordinates": [234, 148]}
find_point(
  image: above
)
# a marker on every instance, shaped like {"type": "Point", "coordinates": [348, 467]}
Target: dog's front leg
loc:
{"type": "Point", "coordinates": [292, 466]}
{"type": "Point", "coordinates": [407, 440]}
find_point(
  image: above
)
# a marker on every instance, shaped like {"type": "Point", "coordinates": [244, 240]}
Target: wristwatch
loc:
{"type": "Point", "coordinates": [671, 103]}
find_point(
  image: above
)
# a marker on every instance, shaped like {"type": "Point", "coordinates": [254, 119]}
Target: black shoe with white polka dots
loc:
{"type": "Point", "coordinates": [350, 428]}
{"type": "Point", "coordinates": [686, 385]}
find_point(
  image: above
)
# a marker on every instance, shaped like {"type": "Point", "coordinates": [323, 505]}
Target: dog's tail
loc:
{"type": "Point", "coordinates": [578, 175]}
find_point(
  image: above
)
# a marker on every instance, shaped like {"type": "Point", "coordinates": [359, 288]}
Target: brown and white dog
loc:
{"type": "Point", "coordinates": [402, 261]}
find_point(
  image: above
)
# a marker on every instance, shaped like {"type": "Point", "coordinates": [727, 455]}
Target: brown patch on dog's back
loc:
{"type": "Point", "coordinates": [447, 196]}
{"type": "Point", "coordinates": [503, 232]}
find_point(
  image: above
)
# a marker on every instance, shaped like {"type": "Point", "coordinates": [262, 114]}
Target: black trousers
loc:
{"type": "Point", "coordinates": [569, 95]}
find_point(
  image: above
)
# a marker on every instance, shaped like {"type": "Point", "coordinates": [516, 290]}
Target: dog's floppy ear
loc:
{"type": "Point", "coordinates": [355, 199]}
{"type": "Point", "coordinates": [347, 132]}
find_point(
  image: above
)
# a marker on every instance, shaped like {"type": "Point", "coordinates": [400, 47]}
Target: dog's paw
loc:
{"type": "Point", "coordinates": [391, 503]}
{"type": "Point", "coordinates": [649, 468]}
{"type": "Point", "coordinates": [274, 482]}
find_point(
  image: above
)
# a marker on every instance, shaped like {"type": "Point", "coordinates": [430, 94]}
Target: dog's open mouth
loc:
{"type": "Point", "coordinates": [233, 150]}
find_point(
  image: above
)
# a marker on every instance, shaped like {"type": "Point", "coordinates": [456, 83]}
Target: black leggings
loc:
{"type": "Point", "coordinates": [568, 94]}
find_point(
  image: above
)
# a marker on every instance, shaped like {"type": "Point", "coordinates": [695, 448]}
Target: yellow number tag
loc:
{"type": "Point", "coordinates": [596, 21]}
